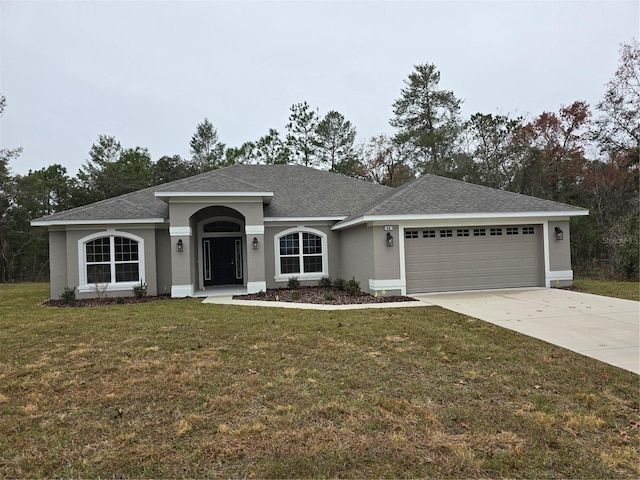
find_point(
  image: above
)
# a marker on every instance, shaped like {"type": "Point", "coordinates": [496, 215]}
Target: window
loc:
{"type": "Point", "coordinates": [479, 232]}
{"type": "Point", "coordinates": [446, 233]}
{"type": "Point", "coordinates": [496, 231]}
{"type": "Point", "coordinates": [463, 232]}
{"type": "Point", "coordinates": [512, 230]}
{"type": "Point", "coordinates": [114, 260]}
{"type": "Point", "coordinates": [221, 226]}
{"type": "Point", "coordinates": [428, 234]}
{"type": "Point", "coordinates": [528, 230]}
{"type": "Point", "coordinates": [301, 254]}
{"type": "Point", "coordinates": [411, 234]}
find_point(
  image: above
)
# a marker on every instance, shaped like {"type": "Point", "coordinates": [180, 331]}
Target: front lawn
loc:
{"type": "Point", "coordinates": [177, 388]}
{"type": "Point", "coordinates": [609, 288]}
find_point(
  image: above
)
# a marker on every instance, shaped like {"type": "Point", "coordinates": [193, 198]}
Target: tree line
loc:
{"type": "Point", "coordinates": [579, 155]}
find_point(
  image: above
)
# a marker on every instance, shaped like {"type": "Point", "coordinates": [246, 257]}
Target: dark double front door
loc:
{"type": "Point", "coordinates": [222, 257]}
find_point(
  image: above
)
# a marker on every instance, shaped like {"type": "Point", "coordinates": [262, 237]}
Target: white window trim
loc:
{"type": "Point", "coordinates": [84, 287]}
{"type": "Point", "coordinates": [280, 277]}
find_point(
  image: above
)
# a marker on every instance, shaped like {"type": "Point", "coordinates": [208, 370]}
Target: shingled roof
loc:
{"type": "Point", "coordinates": [297, 192]}
{"type": "Point", "coordinates": [431, 195]}
{"type": "Point", "coordinates": [302, 192]}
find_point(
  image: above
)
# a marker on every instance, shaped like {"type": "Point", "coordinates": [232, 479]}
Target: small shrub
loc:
{"type": "Point", "coordinates": [68, 295]}
{"type": "Point", "coordinates": [325, 282]}
{"type": "Point", "coordinates": [261, 294]}
{"type": "Point", "coordinates": [293, 283]}
{"type": "Point", "coordinates": [352, 287]}
{"type": "Point", "coordinates": [329, 296]}
{"type": "Point", "coordinates": [140, 290]}
{"type": "Point", "coordinates": [120, 301]}
{"type": "Point", "coordinates": [101, 291]}
{"type": "Point", "coordinates": [339, 284]}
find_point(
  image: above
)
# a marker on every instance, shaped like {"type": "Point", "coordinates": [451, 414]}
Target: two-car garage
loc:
{"type": "Point", "coordinates": [468, 258]}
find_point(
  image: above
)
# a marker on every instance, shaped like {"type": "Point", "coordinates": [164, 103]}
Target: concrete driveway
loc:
{"type": "Point", "coordinates": [607, 329]}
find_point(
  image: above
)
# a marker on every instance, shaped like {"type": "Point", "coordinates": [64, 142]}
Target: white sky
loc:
{"type": "Point", "coordinates": [148, 72]}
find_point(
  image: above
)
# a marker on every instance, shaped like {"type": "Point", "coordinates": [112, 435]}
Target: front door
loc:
{"type": "Point", "coordinates": [222, 258]}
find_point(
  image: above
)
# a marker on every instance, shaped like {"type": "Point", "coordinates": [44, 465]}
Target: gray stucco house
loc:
{"type": "Point", "coordinates": [252, 227]}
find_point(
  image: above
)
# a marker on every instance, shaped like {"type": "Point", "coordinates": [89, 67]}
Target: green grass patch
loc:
{"type": "Point", "coordinates": [609, 288]}
{"type": "Point", "coordinates": [177, 388]}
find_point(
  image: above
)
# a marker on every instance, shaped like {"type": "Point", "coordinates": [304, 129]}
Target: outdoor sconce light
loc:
{"type": "Point", "coordinates": [559, 235]}
{"type": "Point", "coordinates": [179, 246]}
{"type": "Point", "coordinates": [255, 243]}
{"type": "Point", "coordinates": [389, 239]}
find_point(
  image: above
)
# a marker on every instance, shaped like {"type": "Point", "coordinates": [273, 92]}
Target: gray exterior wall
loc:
{"type": "Point", "coordinates": [163, 265]}
{"type": "Point", "coordinates": [357, 253]}
{"type": "Point", "coordinates": [386, 260]}
{"type": "Point", "coordinates": [559, 252]}
{"type": "Point", "coordinates": [57, 262]}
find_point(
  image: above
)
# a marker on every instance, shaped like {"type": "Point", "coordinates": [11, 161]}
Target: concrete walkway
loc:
{"type": "Point", "coordinates": [228, 300]}
{"type": "Point", "coordinates": [604, 328]}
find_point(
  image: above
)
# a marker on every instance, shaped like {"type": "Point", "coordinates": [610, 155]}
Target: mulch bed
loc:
{"type": "Point", "coordinates": [98, 302]}
{"type": "Point", "coordinates": [321, 295]}
{"type": "Point", "coordinates": [316, 295]}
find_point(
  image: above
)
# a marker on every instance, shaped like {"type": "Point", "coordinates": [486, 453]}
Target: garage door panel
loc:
{"type": "Point", "coordinates": [473, 262]}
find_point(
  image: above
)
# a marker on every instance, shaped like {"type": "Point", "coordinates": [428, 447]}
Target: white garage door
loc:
{"type": "Point", "coordinates": [469, 258]}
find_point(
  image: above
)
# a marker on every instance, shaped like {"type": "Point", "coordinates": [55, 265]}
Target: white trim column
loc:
{"type": "Point", "coordinates": [181, 262]}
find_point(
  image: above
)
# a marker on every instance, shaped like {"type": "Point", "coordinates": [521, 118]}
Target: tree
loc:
{"type": "Point", "coordinates": [7, 188]}
{"type": "Point", "coordinates": [39, 193]}
{"type": "Point", "coordinates": [206, 149]}
{"type": "Point", "coordinates": [112, 171]}
{"type": "Point", "coordinates": [270, 149]}
{"type": "Point", "coordinates": [168, 169]}
{"type": "Point", "coordinates": [618, 127]}
{"type": "Point", "coordinates": [553, 156]}
{"type": "Point", "coordinates": [386, 162]}
{"type": "Point", "coordinates": [301, 136]}
{"type": "Point", "coordinates": [428, 119]}
{"type": "Point", "coordinates": [91, 176]}
{"type": "Point", "coordinates": [334, 140]}
{"type": "Point", "coordinates": [246, 154]}
{"type": "Point", "coordinates": [492, 146]}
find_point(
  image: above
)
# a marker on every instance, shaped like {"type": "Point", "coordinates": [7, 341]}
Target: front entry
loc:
{"type": "Point", "coordinates": [222, 258]}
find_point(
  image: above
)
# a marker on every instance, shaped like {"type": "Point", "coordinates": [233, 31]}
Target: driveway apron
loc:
{"type": "Point", "coordinates": [604, 328]}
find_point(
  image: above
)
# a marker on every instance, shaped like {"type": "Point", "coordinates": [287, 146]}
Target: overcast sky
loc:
{"type": "Point", "coordinates": [149, 72]}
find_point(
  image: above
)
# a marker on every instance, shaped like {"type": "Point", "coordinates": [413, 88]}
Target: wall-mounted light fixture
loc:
{"type": "Point", "coordinates": [389, 239]}
{"type": "Point", "coordinates": [559, 233]}
{"type": "Point", "coordinates": [255, 243]}
{"type": "Point", "coordinates": [179, 246]}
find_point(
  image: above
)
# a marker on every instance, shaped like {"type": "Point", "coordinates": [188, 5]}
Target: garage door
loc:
{"type": "Point", "coordinates": [469, 258]}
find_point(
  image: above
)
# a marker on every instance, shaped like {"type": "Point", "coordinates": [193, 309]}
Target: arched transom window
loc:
{"type": "Point", "coordinates": [113, 260]}
{"type": "Point", "coordinates": [302, 254]}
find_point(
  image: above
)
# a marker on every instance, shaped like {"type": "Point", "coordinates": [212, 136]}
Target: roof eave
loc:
{"type": "Point", "coordinates": [451, 216]}
{"type": "Point", "coordinates": [166, 195]}
{"type": "Point", "coordinates": [117, 221]}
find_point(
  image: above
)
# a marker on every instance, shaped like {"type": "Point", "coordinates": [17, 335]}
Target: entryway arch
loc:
{"type": "Point", "coordinates": [220, 240]}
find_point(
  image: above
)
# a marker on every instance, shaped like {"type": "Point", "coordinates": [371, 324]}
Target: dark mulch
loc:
{"type": "Point", "coordinates": [321, 295]}
{"type": "Point", "coordinates": [99, 302]}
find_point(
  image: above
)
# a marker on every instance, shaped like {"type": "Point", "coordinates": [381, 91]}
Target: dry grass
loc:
{"type": "Point", "coordinates": [180, 389]}
{"type": "Point", "coordinates": [609, 288]}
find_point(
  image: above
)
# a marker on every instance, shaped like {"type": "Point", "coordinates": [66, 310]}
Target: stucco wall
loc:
{"type": "Point", "coordinates": [163, 260]}
{"type": "Point", "coordinates": [357, 250]}
{"type": "Point", "coordinates": [560, 273]}
{"type": "Point", "coordinates": [57, 262]}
